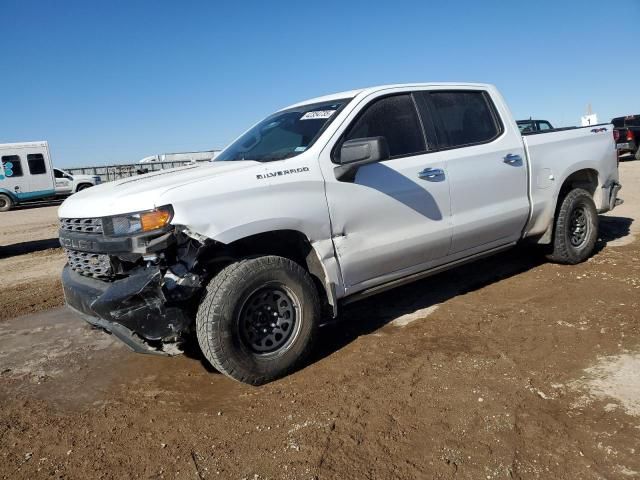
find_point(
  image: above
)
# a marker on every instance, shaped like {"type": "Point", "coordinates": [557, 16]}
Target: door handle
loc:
{"type": "Point", "coordinates": [431, 174]}
{"type": "Point", "coordinates": [512, 159]}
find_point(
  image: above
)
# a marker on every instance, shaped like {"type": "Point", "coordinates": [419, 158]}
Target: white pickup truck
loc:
{"type": "Point", "coordinates": [66, 184]}
{"type": "Point", "coordinates": [323, 203]}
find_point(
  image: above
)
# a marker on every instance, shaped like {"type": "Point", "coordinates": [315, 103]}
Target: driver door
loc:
{"type": "Point", "coordinates": [393, 218]}
{"type": "Point", "coordinates": [63, 183]}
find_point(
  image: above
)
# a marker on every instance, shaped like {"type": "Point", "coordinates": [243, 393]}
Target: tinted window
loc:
{"type": "Point", "coordinates": [466, 117]}
{"type": "Point", "coordinates": [526, 127]}
{"type": "Point", "coordinates": [58, 173]}
{"type": "Point", "coordinates": [11, 165]}
{"type": "Point", "coordinates": [544, 125]}
{"type": "Point", "coordinates": [394, 118]}
{"type": "Point", "coordinates": [633, 121]}
{"type": "Point", "coordinates": [36, 164]}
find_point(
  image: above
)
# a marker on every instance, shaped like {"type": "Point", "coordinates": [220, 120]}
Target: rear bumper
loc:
{"type": "Point", "coordinates": [133, 309]}
{"type": "Point", "coordinates": [627, 147]}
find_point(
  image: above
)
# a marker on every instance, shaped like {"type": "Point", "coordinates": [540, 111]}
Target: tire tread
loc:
{"type": "Point", "coordinates": [216, 301]}
{"type": "Point", "coordinates": [560, 248]}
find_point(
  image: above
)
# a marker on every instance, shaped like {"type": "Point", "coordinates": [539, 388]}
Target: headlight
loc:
{"type": "Point", "coordinates": [141, 222]}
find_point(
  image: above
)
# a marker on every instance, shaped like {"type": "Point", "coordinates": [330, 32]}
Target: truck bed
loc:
{"type": "Point", "coordinates": [554, 154]}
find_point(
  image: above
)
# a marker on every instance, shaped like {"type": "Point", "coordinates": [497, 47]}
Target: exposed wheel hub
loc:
{"type": "Point", "coordinates": [267, 319]}
{"type": "Point", "coordinates": [578, 227]}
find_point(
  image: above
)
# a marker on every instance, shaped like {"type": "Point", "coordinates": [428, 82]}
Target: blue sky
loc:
{"type": "Point", "coordinates": [114, 81]}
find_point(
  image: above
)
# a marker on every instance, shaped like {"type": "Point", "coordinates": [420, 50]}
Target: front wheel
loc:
{"type": "Point", "coordinates": [83, 186]}
{"type": "Point", "coordinates": [575, 229]}
{"type": "Point", "coordinates": [258, 319]}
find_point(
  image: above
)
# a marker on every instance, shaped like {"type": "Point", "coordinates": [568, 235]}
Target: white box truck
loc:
{"type": "Point", "coordinates": [26, 173]}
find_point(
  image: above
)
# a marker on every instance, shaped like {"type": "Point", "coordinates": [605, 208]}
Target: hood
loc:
{"type": "Point", "coordinates": [139, 193]}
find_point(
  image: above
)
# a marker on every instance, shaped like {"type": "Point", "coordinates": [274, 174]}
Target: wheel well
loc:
{"type": "Point", "coordinates": [83, 184]}
{"type": "Point", "coordinates": [289, 244]}
{"type": "Point", "coordinates": [586, 179]}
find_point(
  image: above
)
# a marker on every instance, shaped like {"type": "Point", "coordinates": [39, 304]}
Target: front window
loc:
{"type": "Point", "coordinates": [284, 134]}
{"type": "Point", "coordinates": [395, 118]}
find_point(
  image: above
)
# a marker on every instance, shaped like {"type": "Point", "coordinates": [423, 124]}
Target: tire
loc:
{"type": "Point", "coordinates": [638, 153]}
{"type": "Point", "coordinates": [5, 203]}
{"type": "Point", "coordinates": [83, 186]}
{"type": "Point", "coordinates": [232, 314]}
{"type": "Point", "coordinates": [575, 228]}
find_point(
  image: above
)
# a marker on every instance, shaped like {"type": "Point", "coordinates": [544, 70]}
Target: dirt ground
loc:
{"type": "Point", "coordinates": [507, 368]}
{"type": "Point", "coordinates": [30, 260]}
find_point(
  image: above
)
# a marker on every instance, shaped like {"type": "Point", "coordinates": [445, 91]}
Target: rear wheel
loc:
{"type": "Point", "coordinates": [5, 203]}
{"type": "Point", "coordinates": [575, 229]}
{"type": "Point", "coordinates": [258, 319]}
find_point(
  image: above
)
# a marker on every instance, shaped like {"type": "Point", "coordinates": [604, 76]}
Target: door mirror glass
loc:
{"type": "Point", "coordinates": [358, 152]}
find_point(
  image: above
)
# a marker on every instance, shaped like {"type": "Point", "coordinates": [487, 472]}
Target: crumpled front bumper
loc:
{"type": "Point", "coordinates": [133, 308]}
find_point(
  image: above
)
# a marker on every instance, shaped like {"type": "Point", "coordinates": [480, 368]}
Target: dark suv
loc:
{"type": "Point", "coordinates": [528, 126]}
{"type": "Point", "coordinates": [627, 134]}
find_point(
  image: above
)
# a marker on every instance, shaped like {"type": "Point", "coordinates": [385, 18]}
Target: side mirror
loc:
{"type": "Point", "coordinates": [358, 152]}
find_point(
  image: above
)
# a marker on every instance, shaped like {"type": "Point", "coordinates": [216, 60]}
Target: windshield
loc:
{"type": "Point", "coordinates": [284, 134]}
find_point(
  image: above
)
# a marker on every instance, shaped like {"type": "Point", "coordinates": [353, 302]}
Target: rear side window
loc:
{"type": "Point", "coordinates": [466, 117]}
{"type": "Point", "coordinates": [394, 118]}
{"type": "Point", "coordinates": [36, 164]}
{"type": "Point", "coordinates": [526, 127]}
{"type": "Point", "coordinates": [11, 166]}
{"type": "Point", "coordinates": [633, 121]}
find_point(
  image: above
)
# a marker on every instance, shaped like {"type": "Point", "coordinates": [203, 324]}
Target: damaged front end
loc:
{"type": "Point", "coordinates": [142, 288]}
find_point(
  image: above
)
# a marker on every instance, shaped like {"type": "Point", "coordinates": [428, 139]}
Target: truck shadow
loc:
{"type": "Point", "coordinates": [612, 228]}
{"type": "Point", "coordinates": [369, 315]}
{"type": "Point", "coordinates": [28, 247]}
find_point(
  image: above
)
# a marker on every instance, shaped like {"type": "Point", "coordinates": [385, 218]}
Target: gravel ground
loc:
{"type": "Point", "coordinates": [507, 368]}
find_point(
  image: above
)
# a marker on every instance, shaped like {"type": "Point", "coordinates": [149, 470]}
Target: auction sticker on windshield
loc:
{"type": "Point", "coordinates": [317, 114]}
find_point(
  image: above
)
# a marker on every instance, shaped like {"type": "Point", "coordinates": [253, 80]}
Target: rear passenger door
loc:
{"type": "Point", "coordinates": [486, 166]}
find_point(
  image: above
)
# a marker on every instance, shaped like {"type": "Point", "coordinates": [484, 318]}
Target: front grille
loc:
{"type": "Point", "coordinates": [82, 225]}
{"type": "Point", "coordinates": [96, 265]}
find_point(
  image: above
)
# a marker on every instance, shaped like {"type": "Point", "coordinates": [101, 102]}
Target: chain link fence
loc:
{"type": "Point", "coordinates": [114, 172]}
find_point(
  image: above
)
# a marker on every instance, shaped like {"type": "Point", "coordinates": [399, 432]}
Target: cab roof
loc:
{"type": "Point", "coordinates": [368, 90]}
